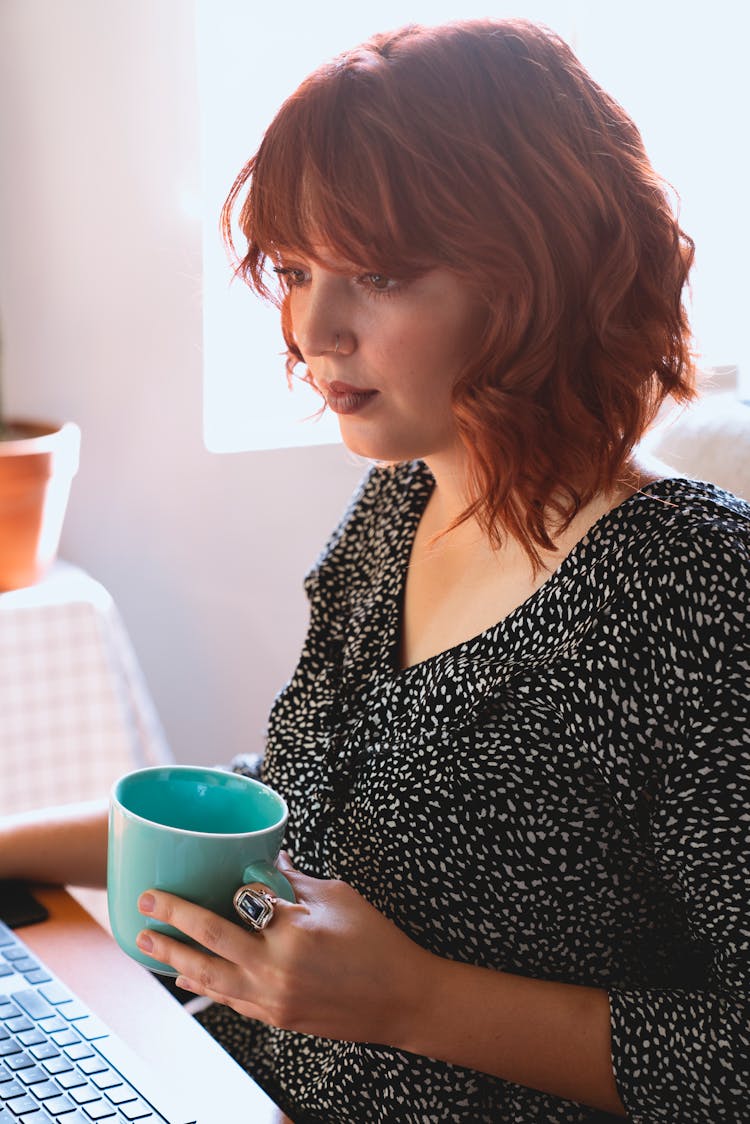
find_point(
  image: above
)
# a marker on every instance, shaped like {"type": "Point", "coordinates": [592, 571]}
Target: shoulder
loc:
{"type": "Point", "coordinates": [689, 564]}
{"type": "Point", "coordinates": [676, 518]}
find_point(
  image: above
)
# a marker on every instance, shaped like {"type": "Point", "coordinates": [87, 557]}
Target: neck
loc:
{"type": "Point", "coordinates": [451, 493]}
{"type": "Point", "coordinates": [451, 496]}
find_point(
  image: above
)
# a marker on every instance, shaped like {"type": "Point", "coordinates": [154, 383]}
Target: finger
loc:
{"type": "Point", "coordinates": [305, 886]}
{"type": "Point", "coordinates": [227, 940]}
{"type": "Point", "coordinates": [284, 862]}
{"type": "Point", "coordinates": [207, 973]}
{"type": "Point", "coordinates": [244, 1006]}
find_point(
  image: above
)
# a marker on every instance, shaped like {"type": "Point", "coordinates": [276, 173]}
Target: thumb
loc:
{"type": "Point", "coordinates": [302, 884]}
{"type": "Point", "coordinates": [284, 863]}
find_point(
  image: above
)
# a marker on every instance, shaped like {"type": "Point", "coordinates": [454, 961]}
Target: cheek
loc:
{"type": "Point", "coordinates": [450, 349]}
{"type": "Point", "coordinates": [428, 355]}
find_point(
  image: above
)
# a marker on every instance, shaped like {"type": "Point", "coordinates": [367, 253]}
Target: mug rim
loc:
{"type": "Point", "coordinates": [116, 802]}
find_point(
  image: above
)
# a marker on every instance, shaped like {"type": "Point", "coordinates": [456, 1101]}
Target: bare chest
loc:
{"type": "Point", "coordinates": [452, 597]}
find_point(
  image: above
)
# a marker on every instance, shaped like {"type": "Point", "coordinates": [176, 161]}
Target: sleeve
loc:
{"type": "Point", "coordinates": [247, 765]}
{"type": "Point", "coordinates": [684, 1055]}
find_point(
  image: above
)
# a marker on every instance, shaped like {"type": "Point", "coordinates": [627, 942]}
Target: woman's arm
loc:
{"type": "Point", "coordinates": [553, 1037]}
{"type": "Point", "coordinates": [65, 844]}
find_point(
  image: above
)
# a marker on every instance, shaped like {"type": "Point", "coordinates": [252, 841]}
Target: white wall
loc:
{"type": "Point", "coordinates": [100, 289]}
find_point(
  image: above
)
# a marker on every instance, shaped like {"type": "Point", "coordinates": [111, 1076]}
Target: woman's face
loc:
{"type": "Point", "coordinates": [384, 353]}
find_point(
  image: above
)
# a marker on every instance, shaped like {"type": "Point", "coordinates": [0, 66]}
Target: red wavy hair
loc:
{"type": "Point", "coordinates": [485, 147]}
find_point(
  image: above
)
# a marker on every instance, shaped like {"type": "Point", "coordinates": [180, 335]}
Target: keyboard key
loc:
{"type": "Point", "coordinates": [5, 970]}
{"type": "Point", "coordinates": [45, 1089]}
{"type": "Point", "coordinates": [108, 1079]}
{"type": "Point", "coordinates": [10, 1089]}
{"type": "Point", "coordinates": [85, 1093]}
{"type": "Point", "coordinates": [91, 1028]}
{"type": "Point", "coordinates": [79, 1050]}
{"type": "Point", "coordinates": [19, 1105]}
{"type": "Point", "coordinates": [57, 1065]}
{"type": "Point", "coordinates": [22, 1060]}
{"type": "Point", "coordinates": [9, 1047]}
{"type": "Point", "coordinates": [44, 1050]}
{"type": "Point", "coordinates": [5, 1074]}
{"type": "Point", "coordinates": [118, 1094]}
{"type": "Point", "coordinates": [18, 1025]}
{"type": "Point", "coordinates": [70, 1079]}
{"type": "Point", "coordinates": [92, 1065]}
{"type": "Point", "coordinates": [38, 976]}
{"type": "Point", "coordinates": [8, 1010]}
{"type": "Point", "coordinates": [32, 1075]}
{"type": "Point", "coordinates": [137, 1110]}
{"type": "Point", "coordinates": [73, 1010]}
{"type": "Point", "coordinates": [53, 1024]}
{"type": "Point", "coordinates": [7, 936]}
{"type": "Point", "coordinates": [59, 1106]}
{"type": "Point", "coordinates": [65, 1037]}
{"type": "Point", "coordinates": [55, 993]}
{"type": "Point", "coordinates": [101, 1111]}
{"type": "Point", "coordinates": [15, 953]}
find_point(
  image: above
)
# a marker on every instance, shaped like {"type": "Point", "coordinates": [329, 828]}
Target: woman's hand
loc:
{"type": "Point", "coordinates": [329, 964]}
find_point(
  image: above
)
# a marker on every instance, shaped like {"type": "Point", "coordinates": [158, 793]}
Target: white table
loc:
{"type": "Point", "coordinates": [75, 712]}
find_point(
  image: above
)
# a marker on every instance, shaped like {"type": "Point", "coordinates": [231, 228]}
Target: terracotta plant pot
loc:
{"type": "Point", "coordinates": [37, 464]}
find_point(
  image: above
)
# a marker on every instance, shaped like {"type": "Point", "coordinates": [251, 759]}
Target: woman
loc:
{"type": "Point", "coordinates": [512, 745]}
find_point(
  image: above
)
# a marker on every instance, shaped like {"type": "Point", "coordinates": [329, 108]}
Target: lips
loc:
{"type": "Point", "coordinates": [339, 388]}
{"type": "Point", "coordinates": [343, 398]}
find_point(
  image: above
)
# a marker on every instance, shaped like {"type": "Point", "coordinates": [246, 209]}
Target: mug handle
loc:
{"type": "Point", "coordinates": [261, 871]}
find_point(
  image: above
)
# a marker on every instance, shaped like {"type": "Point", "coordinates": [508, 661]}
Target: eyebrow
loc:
{"type": "Point", "coordinates": [341, 265]}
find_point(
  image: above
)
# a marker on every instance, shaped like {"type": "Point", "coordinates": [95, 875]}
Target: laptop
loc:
{"type": "Point", "coordinates": [60, 1063]}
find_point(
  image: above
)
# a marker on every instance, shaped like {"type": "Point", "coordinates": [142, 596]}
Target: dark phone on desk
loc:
{"type": "Point", "coordinates": [18, 906]}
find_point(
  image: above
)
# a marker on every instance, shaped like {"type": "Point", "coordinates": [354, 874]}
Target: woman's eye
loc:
{"type": "Point", "coordinates": [379, 282]}
{"type": "Point", "coordinates": [289, 276]}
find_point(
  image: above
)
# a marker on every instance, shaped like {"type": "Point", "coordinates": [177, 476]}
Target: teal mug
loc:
{"type": "Point", "coordinates": [198, 833]}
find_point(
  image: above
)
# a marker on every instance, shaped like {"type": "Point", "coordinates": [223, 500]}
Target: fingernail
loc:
{"type": "Point", "coordinates": [146, 903]}
{"type": "Point", "coordinates": [143, 940]}
{"type": "Point", "coordinates": [185, 984]}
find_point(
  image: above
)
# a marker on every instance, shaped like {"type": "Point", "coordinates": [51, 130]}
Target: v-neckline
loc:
{"type": "Point", "coordinates": [570, 565]}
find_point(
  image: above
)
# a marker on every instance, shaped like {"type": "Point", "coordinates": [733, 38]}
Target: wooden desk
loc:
{"type": "Point", "coordinates": [143, 1013]}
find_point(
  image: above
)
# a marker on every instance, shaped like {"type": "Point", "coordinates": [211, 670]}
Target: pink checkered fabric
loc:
{"type": "Point", "coordinates": [75, 712]}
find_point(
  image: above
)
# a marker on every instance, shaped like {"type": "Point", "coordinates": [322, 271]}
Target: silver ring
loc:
{"type": "Point", "coordinates": [254, 905]}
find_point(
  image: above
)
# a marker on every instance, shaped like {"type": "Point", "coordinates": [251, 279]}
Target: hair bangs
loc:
{"type": "Point", "coordinates": [323, 179]}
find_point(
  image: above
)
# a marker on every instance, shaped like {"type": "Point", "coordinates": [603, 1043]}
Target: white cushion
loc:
{"type": "Point", "coordinates": [708, 440]}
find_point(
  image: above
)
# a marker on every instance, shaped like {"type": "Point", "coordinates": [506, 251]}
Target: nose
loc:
{"type": "Point", "coordinates": [320, 317]}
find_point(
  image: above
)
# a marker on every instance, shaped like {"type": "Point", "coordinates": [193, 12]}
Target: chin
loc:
{"type": "Point", "coordinates": [376, 443]}
{"type": "Point", "coordinates": [380, 451]}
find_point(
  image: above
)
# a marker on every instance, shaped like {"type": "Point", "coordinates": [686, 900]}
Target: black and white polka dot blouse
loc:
{"type": "Point", "coordinates": [566, 797]}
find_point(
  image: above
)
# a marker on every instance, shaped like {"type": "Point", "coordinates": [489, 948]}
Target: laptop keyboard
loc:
{"type": "Point", "coordinates": [55, 1055]}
